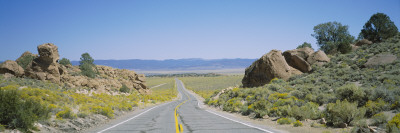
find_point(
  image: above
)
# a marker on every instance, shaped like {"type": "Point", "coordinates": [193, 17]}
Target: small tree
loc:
{"type": "Point", "coordinates": [86, 65]}
{"type": "Point", "coordinates": [124, 89]}
{"type": "Point", "coordinates": [86, 58]}
{"type": "Point", "coordinates": [333, 37]}
{"type": "Point", "coordinates": [343, 112]}
{"type": "Point", "coordinates": [25, 61]}
{"type": "Point", "coordinates": [305, 44]}
{"type": "Point", "coordinates": [87, 70]}
{"type": "Point", "coordinates": [379, 27]}
{"type": "Point", "coordinates": [65, 61]}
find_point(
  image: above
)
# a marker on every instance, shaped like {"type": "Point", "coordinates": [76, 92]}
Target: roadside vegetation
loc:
{"type": "Point", "coordinates": [342, 93]}
{"type": "Point", "coordinates": [24, 102]}
{"type": "Point", "coordinates": [207, 86]}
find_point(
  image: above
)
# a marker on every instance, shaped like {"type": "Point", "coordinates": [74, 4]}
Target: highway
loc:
{"type": "Point", "coordinates": [183, 115]}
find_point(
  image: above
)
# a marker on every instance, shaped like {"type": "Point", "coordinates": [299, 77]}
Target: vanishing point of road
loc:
{"type": "Point", "coordinates": [182, 115]}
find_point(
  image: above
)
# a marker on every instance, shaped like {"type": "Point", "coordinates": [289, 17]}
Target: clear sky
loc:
{"type": "Point", "coordinates": [174, 29]}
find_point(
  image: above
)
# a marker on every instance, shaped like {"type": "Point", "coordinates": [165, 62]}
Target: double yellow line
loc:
{"type": "Point", "coordinates": [178, 126]}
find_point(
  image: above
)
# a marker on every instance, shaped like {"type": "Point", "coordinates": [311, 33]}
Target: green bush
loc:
{"type": "Point", "coordinates": [379, 119]}
{"type": "Point", "coordinates": [360, 126]}
{"type": "Point", "coordinates": [297, 124]}
{"type": "Point", "coordinates": [66, 113]}
{"type": "Point", "coordinates": [206, 100]}
{"type": "Point", "coordinates": [25, 61]}
{"type": "Point", "coordinates": [87, 70]}
{"type": "Point", "coordinates": [260, 108]}
{"type": "Point", "coordinates": [308, 111]}
{"type": "Point", "coordinates": [373, 107]}
{"type": "Point", "coordinates": [232, 105]}
{"type": "Point", "coordinates": [18, 113]}
{"type": "Point", "coordinates": [343, 112]}
{"type": "Point", "coordinates": [87, 65]}
{"type": "Point", "coordinates": [213, 102]}
{"type": "Point", "coordinates": [394, 124]}
{"type": "Point", "coordinates": [305, 44]}
{"type": "Point", "coordinates": [351, 93]}
{"type": "Point", "coordinates": [283, 121]}
{"type": "Point", "coordinates": [106, 111]}
{"type": "Point", "coordinates": [124, 89]}
{"type": "Point", "coordinates": [65, 61]}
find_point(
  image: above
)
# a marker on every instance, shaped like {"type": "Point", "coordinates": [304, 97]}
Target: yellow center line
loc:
{"type": "Point", "coordinates": [178, 126]}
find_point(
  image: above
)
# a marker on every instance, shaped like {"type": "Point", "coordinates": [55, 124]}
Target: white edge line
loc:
{"type": "Point", "coordinates": [130, 118]}
{"type": "Point", "coordinates": [241, 122]}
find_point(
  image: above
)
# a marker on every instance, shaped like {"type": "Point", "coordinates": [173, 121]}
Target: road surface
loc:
{"type": "Point", "coordinates": [189, 118]}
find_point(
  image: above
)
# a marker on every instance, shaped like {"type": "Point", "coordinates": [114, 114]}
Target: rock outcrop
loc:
{"type": "Point", "coordinates": [107, 79]}
{"type": "Point", "coordinates": [363, 42]}
{"type": "Point", "coordinates": [354, 47]}
{"type": "Point", "coordinates": [277, 65]}
{"type": "Point", "coordinates": [319, 58]}
{"type": "Point", "coordinates": [45, 67]}
{"type": "Point", "coordinates": [380, 59]}
{"type": "Point", "coordinates": [269, 66]}
{"type": "Point", "coordinates": [11, 67]}
{"type": "Point", "coordinates": [297, 58]}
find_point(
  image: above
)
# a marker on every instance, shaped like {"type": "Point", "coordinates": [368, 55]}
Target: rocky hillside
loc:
{"type": "Point", "coordinates": [360, 90]}
{"type": "Point", "coordinates": [45, 66]}
{"type": "Point", "coordinates": [38, 94]}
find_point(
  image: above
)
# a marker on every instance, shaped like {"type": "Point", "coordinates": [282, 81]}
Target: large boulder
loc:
{"type": "Point", "coordinates": [45, 67]}
{"type": "Point", "coordinates": [301, 52]}
{"type": "Point", "coordinates": [363, 42]}
{"type": "Point", "coordinates": [354, 47]}
{"type": "Point", "coordinates": [319, 58]}
{"type": "Point", "coordinates": [11, 67]}
{"type": "Point", "coordinates": [297, 58]}
{"type": "Point", "coordinates": [48, 53]}
{"type": "Point", "coordinates": [380, 59]}
{"type": "Point", "coordinates": [269, 66]}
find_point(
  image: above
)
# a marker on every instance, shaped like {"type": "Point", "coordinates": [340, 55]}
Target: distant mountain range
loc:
{"type": "Point", "coordinates": [175, 64]}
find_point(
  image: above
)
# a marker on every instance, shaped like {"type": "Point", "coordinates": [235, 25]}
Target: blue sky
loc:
{"type": "Point", "coordinates": [174, 29]}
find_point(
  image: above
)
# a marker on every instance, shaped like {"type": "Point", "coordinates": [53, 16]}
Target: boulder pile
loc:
{"type": "Point", "coordinates": [11, 67]}
{"type": "Point", "coordinates": [277, 65]}
{"type": "Point", "coordinates": [46, 67]}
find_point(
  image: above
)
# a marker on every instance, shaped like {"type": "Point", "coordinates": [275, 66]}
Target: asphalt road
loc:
{"type": "Point", "coordinates": [190, 117]}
